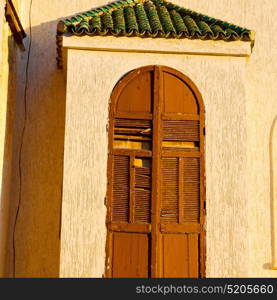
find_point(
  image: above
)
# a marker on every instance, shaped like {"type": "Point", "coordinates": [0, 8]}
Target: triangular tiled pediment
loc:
{"type": "Point", "coordinates": [150, 18]}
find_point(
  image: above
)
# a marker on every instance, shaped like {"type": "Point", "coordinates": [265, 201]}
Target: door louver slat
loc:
{"type": "Point", "coordinates": [191, 206]}
{"type": "Point", "coordinates": [181, 130]}
{"type": "Point", "coordinates": [142, 195]}
{"type": "Point", "coordinates": [132, 133]}
{"type": "Point", "coordinates": [120, 198]}
{"type": "Point", "coordinates": [169, 186]}
{"type": "Point", "coordinates": [143, 181]}
{"type": "Point", "coordinates": [142, 206]}
{"type": "Point", "coordinates": [132, 123]}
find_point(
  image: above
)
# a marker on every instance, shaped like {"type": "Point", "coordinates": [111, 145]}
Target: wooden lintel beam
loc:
{"type": "Point", "coordinates": [15, 24]}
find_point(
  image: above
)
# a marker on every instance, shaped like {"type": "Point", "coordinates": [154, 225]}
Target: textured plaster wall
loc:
{"type": "Point", "coordinates": [3, 103]}
{"type": "Point", "coordinates": [273, 183]}
{"type": "Point", "coordinates": [37, 158]}
{"type": "Point", "coordinates": [261, 112]}
{"type": "Point", "coordinates": [8, 51]}
{"type": "Point", "coordinates": [86, 156]}
{"type": "Point", "coordinates": [3, 78]}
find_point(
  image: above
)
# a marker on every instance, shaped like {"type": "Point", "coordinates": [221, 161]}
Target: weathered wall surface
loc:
{"type": "Point", "coordinates": [3, 78]}
{"type": "Point", "coordinates": [8, 51]}
{"type": "Point", "coordinates": [2, 21]}
{"type": "Point", "coordinates": [83, 210]}
{"type": "Point", "coordinates": [3, 109]}
{"type": "Point", "coordinates": [261, 111]}
{"type": "Point", "coordinates": [38, 142]}
{"type": "Point", "coordinates": [38, 156]}
{"type": "Point", "coordinates": [273, 184]}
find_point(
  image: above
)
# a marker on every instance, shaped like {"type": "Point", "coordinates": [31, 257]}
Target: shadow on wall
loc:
{"type": "Point", "coordinates": [33, 160]}
{"type": "Point", "coordinates": [6, 204]}
{"type": "Point", "coordinates": [273, 189]}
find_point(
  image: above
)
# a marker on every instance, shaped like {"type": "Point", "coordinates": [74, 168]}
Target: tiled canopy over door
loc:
{"type": "Point", "coordinates": [155, 200]}
{"type": "Point", "coordinates": [149, 19]}
{"type": "Point", "coordinates": [156, 176]}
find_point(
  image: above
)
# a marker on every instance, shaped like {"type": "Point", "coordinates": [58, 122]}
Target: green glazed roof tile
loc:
{"type": "Point", "coordinates": [130, 19]}
{"type": "Point", "coordinates": [165, 19]}
{"type": "Point", "coordinates": [192, 26]}
{"type": "Point", "coordinates": [178, 22]}
{"type": "Point", "coordinates": [150, 18]}
{"type": "Point", "coordinates": [153, 17]}
{"type": "Point", "coordinates": [119, 21]}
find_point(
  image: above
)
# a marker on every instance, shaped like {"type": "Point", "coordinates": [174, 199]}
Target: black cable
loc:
{"type": "Point", "coordinates": [23, 133]}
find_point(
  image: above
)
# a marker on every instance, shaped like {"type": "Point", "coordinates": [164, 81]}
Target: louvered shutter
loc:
{"type": "Point", "coordinates": [156, 177]}
{"type": "Point", "coordinates": [142, 210]}
{"type": "Point", "coordinates": [131, 191]}
{"type": "Point", "coordinates": [191, 189]}
{"type": "Point", "coordinates": [130, 197]}
{"type": "Point", "coordinates": [180, 176]}
{"type": "Point", "coordinates": [121, 187]}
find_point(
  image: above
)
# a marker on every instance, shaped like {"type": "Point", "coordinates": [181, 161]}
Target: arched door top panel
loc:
{"type": "Point", "coordinates": [178, 97]}
{"type": "Point", "coordinates": [140, 87]}
{"type": "Point", "coordinates": [182, 95]}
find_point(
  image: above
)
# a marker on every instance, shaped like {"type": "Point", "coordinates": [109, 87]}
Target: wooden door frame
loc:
{"type": "Point", "coordinates": [158, 97]}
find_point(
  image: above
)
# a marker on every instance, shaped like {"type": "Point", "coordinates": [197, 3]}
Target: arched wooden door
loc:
{"type": "Point", "coordinates": [156, 194]}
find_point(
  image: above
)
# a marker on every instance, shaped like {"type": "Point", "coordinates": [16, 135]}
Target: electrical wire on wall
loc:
{"type": "Point", "coordinates": [23, 134]}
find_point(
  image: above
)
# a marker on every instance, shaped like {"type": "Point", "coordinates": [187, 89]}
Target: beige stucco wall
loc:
{"type": "Point", "coordinates": [273, 185]}
{"type": "Point", "coordinates": [41, 155]}
{"type": "Point", "coordinates": [84, 185]}
{"type": "Point", "coordinates": [262, 109]}
{"type": "Point", "coordinates": [8, 53]}
{"type": "Point", "coordinates": [4, 73]}
{"type": "Point", "coordinates": [3, 106]}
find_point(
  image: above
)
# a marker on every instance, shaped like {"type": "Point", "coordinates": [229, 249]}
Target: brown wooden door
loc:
{"type": "Point", "coordinates": [156, 191]}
